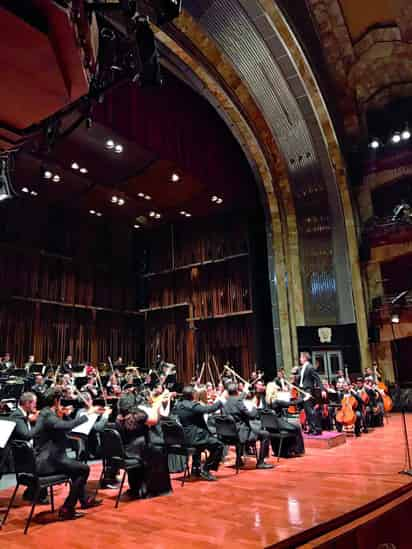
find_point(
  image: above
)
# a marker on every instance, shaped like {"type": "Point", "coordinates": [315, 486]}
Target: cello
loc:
{"type": "Point", "coordinates": [346, 415]}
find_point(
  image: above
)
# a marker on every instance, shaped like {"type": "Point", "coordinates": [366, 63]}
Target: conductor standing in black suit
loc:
{"type": "Point", "coordinates": [309, 381]}
{"type": "Point", "coordinates": [191, 416]}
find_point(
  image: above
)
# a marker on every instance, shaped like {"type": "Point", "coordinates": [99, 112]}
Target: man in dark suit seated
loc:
{"type": "Point", "coordinates": [191, 416]}
{"type": "Point", "coordinates": [310, 382]}
{"type": "Point", "coordinates": [23, 416]}
{"type": "Point", "coordinates": [52, 458]}
{"type": "Point", "coordinates": [235, 407]}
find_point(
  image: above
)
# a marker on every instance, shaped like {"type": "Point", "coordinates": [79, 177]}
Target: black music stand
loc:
{"type": "Point", "coordinates": [399, 302]}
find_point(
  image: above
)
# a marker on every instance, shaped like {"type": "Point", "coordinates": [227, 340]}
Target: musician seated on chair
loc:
{"type": "Point", "coordinates": [133, 423]}
{"type": "Point", "coordinates": [52, 458]}
{"type": "Point", "coordinates": [27, 428]}
{"type": "Point", "coordinates": [346, 393]}
{"type": "Point", "coordinates": [235, 407]}
{"type": "Point", "coordinates": [191, 414]}
{"type": "Point", "coordinates": [91, 449]}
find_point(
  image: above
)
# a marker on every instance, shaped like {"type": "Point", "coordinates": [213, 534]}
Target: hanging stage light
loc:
{"type": "Point", "coordinates": [6, 188]}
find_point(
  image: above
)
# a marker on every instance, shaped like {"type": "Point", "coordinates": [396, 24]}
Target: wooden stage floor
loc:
{"type": "Point", "coordinates": [252, 509]}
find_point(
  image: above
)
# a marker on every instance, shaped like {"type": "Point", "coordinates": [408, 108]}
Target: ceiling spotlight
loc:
{"type": "Point", "coordinates": [175, 177]}
{"type": "Point", "coordinates": [158, 216]}
{"type": "Point", "coordinates": [396, 137]}
{"type": "Point", "coordinates": [219, 201]}
{"type": "Point", "coordinates": [142, 195]}
{"type": "Point", "coordinates": [99, 214]}
{"type": "Point", "coordinates": [75, 166]}
{"type": "Point", "coordinates": [114, 200]}
{"type": "Point", "coordinates": [214, 198]}
{"type": "Point", "coordinates": [395, 318]}
{"type": "Point", "coordinates": [83, 170]}
{"type": "Point", "coordinates": [109, 144]}
{"type": "Point", "coordinates": [152, 214]}
{"type": "Point", "coordinates": [406, 134]}
{"type": "Point", "coordinates": [56, 178]}
{"type": "Point", "coordinates": [92, 212]}
{"type": "Point", "coordinates": [147, 197]}
{"type": "Point", "coordinates": [25, 190]}
{"type": "Point", "coordinates": [34, 193]}
{"type": "Point", "coordinates": [188, 214]}
{"type": "Point", "coordinates": [182, 212]}
{"type": "Point", "coordinates": [136, 226]}
{"type": "Point", "coordinates": [120, 202]}
{"type": "Point", "coordinates": [374, 144]}
{"type": "Point", "coordinates": [47, 174]}
{"type": "Point", "coordinates": [118, 149]}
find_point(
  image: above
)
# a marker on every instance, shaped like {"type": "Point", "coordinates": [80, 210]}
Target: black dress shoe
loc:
{"type": "Point", "coordinates": [207, 475]}
{"type": "Point", "coordinates": [263, 465]}
{"type": "Point", "coordinates": [69, 514]}
{"type": "Point", "coordinates": [90, 503]}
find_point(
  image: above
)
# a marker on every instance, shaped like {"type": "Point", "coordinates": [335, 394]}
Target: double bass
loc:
{"type": "Point", "coordinates": [346, 415]}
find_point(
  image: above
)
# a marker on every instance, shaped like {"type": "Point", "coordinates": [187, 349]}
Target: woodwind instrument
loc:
{"type": "Point", "coordinates": [304, 393]}
{"type": "Point", "coordinates": [235, 374]}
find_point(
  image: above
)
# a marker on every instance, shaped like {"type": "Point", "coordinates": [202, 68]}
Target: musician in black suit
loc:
{"type": "Point", "coordinates": [235, 407]}
{"type": "Point", "coordinates": [310, 382]}
{"type": "Point", "coordinates": [52, 458]}
{"type": "Point", "coordinates": [23, 416]}
{"type": "Point", "coordinates": [191, 416]}
{"type": "Point", "coordinates": [67, 367]}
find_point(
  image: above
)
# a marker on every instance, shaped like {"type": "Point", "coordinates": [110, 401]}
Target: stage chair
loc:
{"type": "Point", "coordinates": [113, 454]}
{"type": "Point", "coordinates": [26, 475]}
{"type": "Point", "coordinates": [227, 432]}
{"type": "Point", "coordinates": [175, 444]}
{"type": "Point", "coordinates": [270, 423]}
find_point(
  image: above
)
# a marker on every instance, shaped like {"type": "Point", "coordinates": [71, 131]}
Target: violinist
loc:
{"type": "Point", "coordinates": [52, 457]}
{"type": "Point", "coordinates": [280, 380]}
{"type": "Point", "coordinates": [92, 448]}
{"type": "Point", "coordinates": [350, 412]}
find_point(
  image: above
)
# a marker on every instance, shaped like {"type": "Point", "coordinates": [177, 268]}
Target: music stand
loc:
{"type": "Point", "coordinates": [399, 301]}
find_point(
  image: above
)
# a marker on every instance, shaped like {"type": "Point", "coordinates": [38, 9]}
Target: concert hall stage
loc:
{"type": "Point", "coordinates": [299, 500]}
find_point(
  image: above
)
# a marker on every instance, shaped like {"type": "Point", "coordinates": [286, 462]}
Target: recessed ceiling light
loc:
{"type": "Point", "coordinates": [34, 193]}
{"type": "Point", "coordinates": [158, 216]}
{"type": "Point", "coordinates": [114, 199]}
{"type": "Point", "coordinates": [214, 198]}
{"type": "Point", "coordinates": [396, 137]}
{"type": "Point", "coordinates": [147, 197]}
{"type": "Point", "coordinates": [109, 144]}
{"type": "Point", "coordinates": [56, 178]}
{"type": "Point", "coordinates": [99, 214]}
{"type": "Point", "coordinates": [182, 212]}
{"type": "Point", "coordinates": [374, 144]}
{"type": "Point", "coordinates": [152, 214]}
{"type": "Point", "coordinates": [24, 190]}
{"type": "Point", "coordinates": [118, 149]}
{"type": "Point", "coordinates": [83, 170]}
{"type": "Point", "coordinates": [75, 166]}
{"type": "Point", "coordinates": [219, 201]}
{"type": "Point", "coordinates": [142, 195]}
{"type": "Point", "coordinates": [406, 134]}
{"type": "Point", "coordinates": [120, 202]}
{"type": "Point", "coordinates": [188, 214]}
{"type": "Point", "coordinates": [175, 177]}
{"type": "Point", "coordinates": [48, 174]}
{"type": "Point", "coordinates": [92, 212]}
{"type": "Point", "coordinates": [136, 226]}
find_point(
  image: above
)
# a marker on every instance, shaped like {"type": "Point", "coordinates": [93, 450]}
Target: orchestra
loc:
{"type": "Point", "coordinates": [46, 403]}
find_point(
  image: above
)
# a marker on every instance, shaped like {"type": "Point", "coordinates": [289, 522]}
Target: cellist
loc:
{"type": "Point", "coordinates": [350, 411]}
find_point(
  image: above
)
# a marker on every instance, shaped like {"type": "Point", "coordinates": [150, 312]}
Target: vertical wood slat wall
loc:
{"type": "Point", "coordinates": [196, 279]}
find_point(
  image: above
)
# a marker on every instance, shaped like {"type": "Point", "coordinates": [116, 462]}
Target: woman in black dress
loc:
{"type": "Point", "coordinates": [133, 424]}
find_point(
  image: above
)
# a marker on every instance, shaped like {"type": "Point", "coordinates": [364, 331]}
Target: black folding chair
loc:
{"type": "Point", "coordinates": [175, 444]}
{"type": "Point", "coordinates": [26, 475]}
{"type": "Point", "coordinates": [114, 455]}
{"type": "Point", "coordinates": [270, 423]}
{"type": "Point", "coordinates": [227, 432]}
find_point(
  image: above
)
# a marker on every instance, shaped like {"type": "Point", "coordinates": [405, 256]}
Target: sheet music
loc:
{"type": "Point", "coordinates": [6, 429]}
{"type": "Point", "coordinates": [283, 395]}
{"type": "Point", "coordinates": [85, 428]}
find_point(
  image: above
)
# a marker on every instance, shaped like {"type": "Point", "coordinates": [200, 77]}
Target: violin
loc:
{"type": "Point", "coordinates": [346, 415]}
